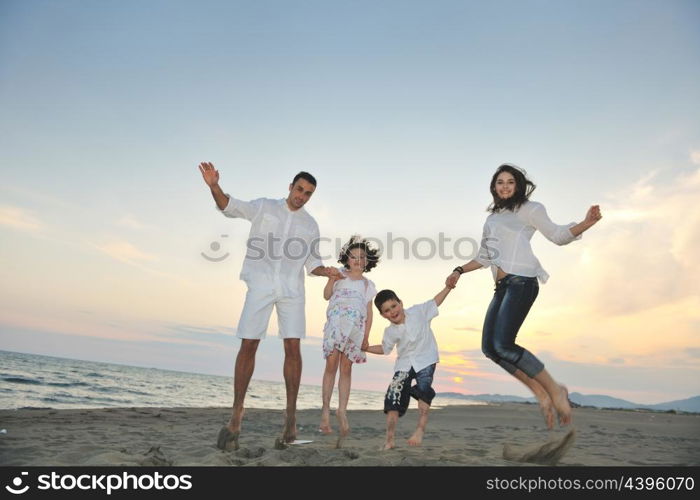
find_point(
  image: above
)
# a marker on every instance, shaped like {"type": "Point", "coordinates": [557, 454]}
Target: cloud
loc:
{"type": "Point", "coordinates": [468, 329]}
{"type": "Point", "coordinates": [643, 252]}
{"type": "Point", "coordinates": [131, 222]}
{"type": "Point", "coordinates": [125, 252]}
{"type": "Point", "coordinates": [19, 218]}
{"type": "Point", "coordinates": [695, 157]}
{"type": "Point", "coordinates": [693, 352]}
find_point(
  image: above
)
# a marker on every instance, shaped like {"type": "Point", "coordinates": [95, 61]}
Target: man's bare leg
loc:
{"type": "Point", "coordinates": [417, 438]}
{"type": "Point", "coordinates": [292, 378]}
{"type": "Point", "coordinates": [245, 364]}
{"type": "Point", "coordinates": [542, 396]}
{"type": "Point", "coordinates": [327, 390]}
{"type": "Point", "coordinates": [392, 417]}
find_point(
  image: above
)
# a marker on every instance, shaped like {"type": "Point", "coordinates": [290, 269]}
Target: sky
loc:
{"type": "Point", "coordinates": [402, 110]}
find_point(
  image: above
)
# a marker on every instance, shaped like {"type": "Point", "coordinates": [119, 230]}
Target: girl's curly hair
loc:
{"type": "Point", "coordinates": [357, 241]}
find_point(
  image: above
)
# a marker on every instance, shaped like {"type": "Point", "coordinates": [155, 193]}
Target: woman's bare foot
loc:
{"type": "Point", "coordinates": [325, 426]}
{"type": "Point", "coordinates": [561, 403]}
{"type": "Point", "coordinates": [547, 410]}
{"type": "Point", "coordinates": [416, 439]}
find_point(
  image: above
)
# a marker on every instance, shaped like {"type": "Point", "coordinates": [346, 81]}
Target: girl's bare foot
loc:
{"type": "Point", "coordinates": [344, 426]}
{"type": "Point", "coordinates": [325, 426]}
{"type": "Point", "coordinates": [389, 445]}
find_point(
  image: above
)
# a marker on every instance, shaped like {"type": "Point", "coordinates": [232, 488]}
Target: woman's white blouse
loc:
{"type": "Point", "coordinates": [506, 240]}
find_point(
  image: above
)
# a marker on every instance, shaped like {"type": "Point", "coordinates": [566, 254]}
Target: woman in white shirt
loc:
{"type": "Point", "coordinates": [505, 248]}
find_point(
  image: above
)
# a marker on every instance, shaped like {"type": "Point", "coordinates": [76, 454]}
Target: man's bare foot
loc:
{"type": "Point", "coordinates": [547, 410]}
{"type": "Point", "coordinates": [416, 439]}
{"type": "Point", "coordinates": [289, 433]}
{"type": "Point", "coordinates": [325, 426]}
{"type": "Point", "coordinates": [561, 403]}
{"type": "Point", "coordinates": [234, 423]}
{"type": "Point", "coordinates": [227, 440]}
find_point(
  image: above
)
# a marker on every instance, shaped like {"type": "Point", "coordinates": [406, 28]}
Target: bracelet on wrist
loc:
{"type": "Point", "coordinates": [458, 269]}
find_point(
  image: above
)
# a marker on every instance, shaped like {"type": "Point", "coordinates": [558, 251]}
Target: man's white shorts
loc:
{"type": "Point", "coordinates": [257, 309]}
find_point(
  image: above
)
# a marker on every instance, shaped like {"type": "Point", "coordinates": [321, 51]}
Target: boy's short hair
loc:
{"type": "Point", "coordinates": [306, 176]}
{"type": "Point", "coordinates": [384, 296]}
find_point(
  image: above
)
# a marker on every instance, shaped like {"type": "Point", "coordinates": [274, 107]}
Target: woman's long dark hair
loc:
{"type": "Point", "coordinates": [523, 189]}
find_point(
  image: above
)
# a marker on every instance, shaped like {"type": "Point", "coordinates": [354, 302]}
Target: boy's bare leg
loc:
{"type": "Point", "coordinates": [417, 438]}
{"type": "Point", "coordinates": [292, 378]}
{"type": "Point", "coordinates": [546, 406]}
{"type": "Point", "coordinates": [327, 391]}
{"type": "Point", "coordinates": [391, 418]}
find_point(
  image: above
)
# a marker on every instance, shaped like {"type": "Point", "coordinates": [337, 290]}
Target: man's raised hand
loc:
{"type": "Point", "coordinates": [209, 173]}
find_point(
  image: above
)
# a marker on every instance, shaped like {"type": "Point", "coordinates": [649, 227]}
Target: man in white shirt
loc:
{"type": "Point", "coordinates": [417, 355]}
{"type": "Point", "coordinates": [283, 241]}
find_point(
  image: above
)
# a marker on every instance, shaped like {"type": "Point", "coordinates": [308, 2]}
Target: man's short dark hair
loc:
{"type": "Point", "coordinates": [306, 176]}
{"type": "Point", "coordinates": [384, 296]}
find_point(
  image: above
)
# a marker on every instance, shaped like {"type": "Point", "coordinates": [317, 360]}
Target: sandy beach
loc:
{"type": "Point", "coordinates": [456, 436]}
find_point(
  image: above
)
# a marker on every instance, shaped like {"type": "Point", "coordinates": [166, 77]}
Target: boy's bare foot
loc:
{"type": "Point", "coordinates": [325, 426]}
{"type": "Point", "coordinates": [416, 439]}
{"type": "Point", "coordinates": [561, 403]}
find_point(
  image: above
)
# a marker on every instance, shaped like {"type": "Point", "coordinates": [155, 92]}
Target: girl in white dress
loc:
{"type": "Point", "coordinates": [348, 322]}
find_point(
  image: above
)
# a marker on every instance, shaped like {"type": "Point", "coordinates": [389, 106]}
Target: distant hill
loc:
{"type": "Point", "coordinates": [488, 398]}
{"type": "Point", "coordinates": [596, 400]}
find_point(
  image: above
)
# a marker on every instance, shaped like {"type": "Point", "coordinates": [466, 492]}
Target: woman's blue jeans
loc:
{"type": "Point", "coordinates": [513, 297]}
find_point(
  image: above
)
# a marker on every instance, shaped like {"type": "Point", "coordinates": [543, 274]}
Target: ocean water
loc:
{"type": "Point", "coordinates": [33, 381]}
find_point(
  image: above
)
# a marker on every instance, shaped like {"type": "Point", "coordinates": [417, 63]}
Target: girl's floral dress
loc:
{"type": "Point", "coordinates": [346, 316]}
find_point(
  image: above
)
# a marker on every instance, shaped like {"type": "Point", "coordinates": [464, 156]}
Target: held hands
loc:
{"type": "Point", "coordinates": [365, 345]}
{"type": "Point", "coordinates": [452, 279]}
{"type": "Point", "coordinates": [209, 173]}
{"type": "Point", "coordinates": [593, 215]}
{"type": "Point", "coordinates": [333, 273]}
